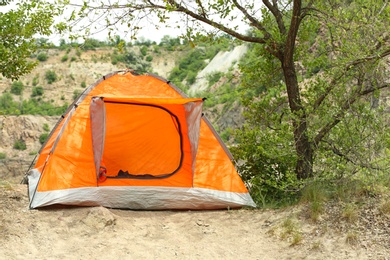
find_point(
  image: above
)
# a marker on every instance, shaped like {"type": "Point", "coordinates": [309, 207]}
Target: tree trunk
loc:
{"type": "Point", "coordinates": [304, 151]}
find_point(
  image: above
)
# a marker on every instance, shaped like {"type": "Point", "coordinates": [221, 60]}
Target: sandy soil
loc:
{"type": "Point", "coordinates": [100, 233]}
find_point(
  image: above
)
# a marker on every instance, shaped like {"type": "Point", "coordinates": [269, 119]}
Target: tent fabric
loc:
{"type": "Point", "coordinates": [156, 149]}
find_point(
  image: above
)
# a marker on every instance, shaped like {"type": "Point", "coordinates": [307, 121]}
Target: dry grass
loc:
{"type": "Point", "coordinates": [385, 207]}
{"type": "Point", "coordinates": [6, 185]}
{"type": "Point", "coordinates": [315, 194]}
{"type": "Point", "coordinates": [352, 238]}
{"type": "Point", "coordinates": [317, 245]}
{"type": "Point", "coordinates": [350, 213]}
{"type": "Point", "coordinates": [291, 231]}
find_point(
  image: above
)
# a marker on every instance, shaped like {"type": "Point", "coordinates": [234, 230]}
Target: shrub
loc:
{"type": "Point", "coordinates": [20, 145]}
{"type": "Point", "coordinates": [144, 50]}
{"type": "Point", "coordinates": [46, 127]}
{"type": "Point", "coordinates": [76, 94]}
{"type": "Point", "coordinates": [50, 76]}
{"type": "Point", "coordinates": [83, 84]}
{"type": "Point", "coordinates": [213, 78]}
{"type": "Point", "coordinates": [2, 156]}
{"type": "Point", "coordinates": [42, 56]}
{"type": "Point", "coordinates": [17, 87]}
{"type": "Point", "coordinates": [64, 58]}
{"type": "Point", "coordinates": [191, 77]}
{"type": "Point", "coordinates": [149, 58]}
{"type": "Point", "coordinates": [35, 81]}
{"type": "Point", "coordinates": [7, 104]}
{"type": "Point", "coordinates": [37, 91]}
{"type": "Point", "coordinates": [43, 137]}
{"type": "Point", "coordinates": [73, 58]}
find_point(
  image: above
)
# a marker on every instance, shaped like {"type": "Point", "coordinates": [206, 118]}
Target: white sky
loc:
{"type": "Point", "coordinates": [147, 31]}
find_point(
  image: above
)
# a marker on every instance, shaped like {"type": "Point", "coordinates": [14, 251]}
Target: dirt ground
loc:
{"type": "Point", "coordinates": [101, 233]}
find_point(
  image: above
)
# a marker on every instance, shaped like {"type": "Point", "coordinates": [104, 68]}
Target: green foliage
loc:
{"type": "Point", "coordinates": [43, 137]}
{"type": "Point", "coordinates": [20, 145]}
{"type": "Point", "coordinates": [149, 58]}
{"type": "Point", "coordinates": [83, 84]}
{"type": "Point", "coordinates": [73, 59]}
{"type": "Point", "coordinates": [143, 42]}
{"type": "Point", "coordinates": [131, 60]}
{"type": "Point", "coordinates": [315, 193]}
{"type": "Point", "coordinates": [144, 50]}
{"type": "Point", "coordinates": [226, 94]}
{"type": "Point", "coordinates": [214, 77]}
{"type": "Point", "coordinates": [46, 127]}
{"type": "Point", "coordinates": [37, 91]}
{"type": "Point", "coordinates": [17, 87]}
{"type": "Point", "coordinates": [76, 94]}
{"type": "Point", "coordinates": [267, 169]}
{"type": "Point", "coordinates": [343, 126]}
{"type": "Point", "coordinates": [42, 56]}
{"type": "Point", "coordinates": [92, 44]}
{"type": "Point", "coordinates": [169, 43]}
{"type": "Point", "coordinates": [194, 61]}
{"type": "Point", "coordinates": [3, 156]}
{"type": "Point", "coordinates": [18, 26]}
{"type": "Point", "coordinates": [50, 76]}
{"type": "Point", "coordinates": [35, 80]}
{"type": "Point", "coordinates": [64, 58]}
{"type": "Point", "coordinates": [28, 107]}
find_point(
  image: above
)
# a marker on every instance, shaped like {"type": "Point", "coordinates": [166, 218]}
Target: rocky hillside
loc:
{"type": "Point", "coordinates": [21, 136]}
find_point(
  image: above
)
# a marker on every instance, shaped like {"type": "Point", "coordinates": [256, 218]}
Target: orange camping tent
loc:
{"type": "Point", "coordinates": [135, 141]}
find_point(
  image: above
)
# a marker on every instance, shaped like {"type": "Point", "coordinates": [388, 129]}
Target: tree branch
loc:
{"type": "Point", "coordinates": [343, 110]}
{"type": "Point", "coordinates": [292, 33]}
{"type": "Point", "coordinates": [336, 151]}
{"type": "Point", "coordinates": [277, 14]}
{"type": "Point", "coordinates": [179, 8]}
{"type": "Point", "coordinates": [349, 66]}
{"type": "Point", "coordinates": [199, 3]}
{"type": "Point", "coordinates": [368, 58]}
{"type": "Point", "coordinates": [254, 22]}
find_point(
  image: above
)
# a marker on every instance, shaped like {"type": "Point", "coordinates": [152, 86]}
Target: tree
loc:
{"type": "Point", "coordinates": [284, 31]}
{"type": "Point", "coordinates": [18, 26]}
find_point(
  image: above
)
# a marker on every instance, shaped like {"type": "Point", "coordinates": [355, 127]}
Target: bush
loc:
{"type": "Point", "coordinates": [214, 77]}
{"type": "Point", "coordinates": [2, 156]}
{"type": "Point", "coordinates": [20, 145]}
{"type": "Point", "coordinates": [64, 58]}
{"type": "Point", "coordinates": [149, 58]}
{"type": "Point", "coordinates": [35, 81]}
{"type": "Point", "coordinates": [43, 137]}
{"type": "Point", "coordinates": [7, 104]}
{"type": "Point", "coordinates": [144, 50]}
{"type": "Point", "coordinates": [17, 87]}
{"type": "Point", "coordinates": [37, 91]}
{"type": "Point", "coordinates": [76, 94]}
{"type": "Point", "coordinates": [73, 58]}
{"type": "Point", "coordinates": [46, 127]}
{"type": "Point", "coordinates": [83, 84]}
{"type": "Point", "coordinates": [42, 56]}
{"type": "Point", "coordinates": [50, 76]}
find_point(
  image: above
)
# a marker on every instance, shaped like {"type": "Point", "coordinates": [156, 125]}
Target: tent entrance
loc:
{"type": "Point", "coordinates": [144, 138]}
{"type": "Point", "coordinates": [141, 141]}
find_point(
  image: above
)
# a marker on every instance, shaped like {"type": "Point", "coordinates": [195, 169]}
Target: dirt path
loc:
{"type": "Point", "coordinates": [100, 233]}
